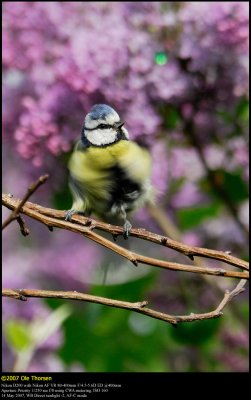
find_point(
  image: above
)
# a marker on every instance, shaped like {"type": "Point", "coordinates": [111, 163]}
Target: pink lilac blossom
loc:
{"type": "Point", "coordinates": [235, 361]}
{"type": "Point", "coordinates": [39, 261]}
{"type": "Point", "coordinates": [57, 63]}
{"type": "Point", "coordinates": [185, 163]}
{"type": "Point", "coordinates": [189, 195]}
{"type": "Point", "coordinates": [65, 67]}
{"type": "Point", "coordinates": [54, 72]}
{"type": "Point", "coordinates": [61, 268]}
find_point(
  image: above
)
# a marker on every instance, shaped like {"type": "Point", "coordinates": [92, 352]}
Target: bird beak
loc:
{"type": "Point", "coordinates": [119, 124]}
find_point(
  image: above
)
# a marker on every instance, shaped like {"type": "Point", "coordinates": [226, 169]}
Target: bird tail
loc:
{"type": "Point", "coordinates": [115, 268]}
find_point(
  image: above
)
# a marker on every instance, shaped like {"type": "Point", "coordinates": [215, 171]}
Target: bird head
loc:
{"type": "Point", "coordinates": [103, 126]}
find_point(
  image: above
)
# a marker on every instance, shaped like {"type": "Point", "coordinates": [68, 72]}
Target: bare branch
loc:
{"type": "Point", "coordinates": [218, 311]}
{"type": "Point", "coordinates": [135, 258]}
{"type": "Point", "coordinates": [168, 227]}
{"type": "Point", "coordinates": [30, 191]}
{"type": "Point", "coordinates": [230, 294]}
{"type": "Point", "coordinates": [139, 307]}
{"type": "Point", "coordinates": [85, 226]}
{"type": "Point", "coordinates": [225, 256]}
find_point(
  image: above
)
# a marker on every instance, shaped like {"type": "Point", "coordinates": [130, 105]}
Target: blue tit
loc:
{"type": "Point", "coordinates": [109, 174]}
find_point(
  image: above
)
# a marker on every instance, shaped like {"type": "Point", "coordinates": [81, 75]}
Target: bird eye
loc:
{"type": "Point", "coordinates": [102, 126]}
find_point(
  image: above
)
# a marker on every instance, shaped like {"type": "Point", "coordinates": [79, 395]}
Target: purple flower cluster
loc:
{"type": "Point", "coordinates": [238, 341]}
{"type": "Point", "coordinates": [165, 67]}
{"type": "Point", "coordinates": [58, 62]}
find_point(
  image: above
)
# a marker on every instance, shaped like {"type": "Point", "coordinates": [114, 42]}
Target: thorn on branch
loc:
{"type": "Point", "coordinates": [48, 217]}
{"type": "Point", "coordinates": [23, 227]}
{"type": "Point", "coordinates": [163, 240]}
{"type": "Point", "coordinates": [134, 261]}
{"type": "Point", "coordinates": [88, 222]}
{"type": "Point", "coordinates": [115, 236]}
{"type": "Point", "coordinates": [52, 217]}
{"type": "Point", "coordinates": [143, 304]}
{"type": "Point", "coordinates": [20, 296]}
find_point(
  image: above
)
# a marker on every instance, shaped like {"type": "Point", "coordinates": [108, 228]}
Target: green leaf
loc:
{"type": "Point", "coordinates": [225, 116]}
{"type": "Point", "coordinates": [18, 334]}
{"type": "Point", "coordinates": [171, 117]}
{"type": "Point", "coordinates": [197, 332]}
{"type": "Point", "coordinates": [175, 185]}
{"type": "Point", "coordinates": [245, 310]}
{"type": "Point", "coordinates": [234, 186]}
{"type": "Point", "coordinates": [242, 110]}
{"type": "Point", "coordinates": [63, 200]}
{"type": "Point", "coordinates": [129, 291]}
{"type": "Point", "coordinates": [42, 328]}
{"type": "Point", "coordinates": [190, 217]}
{"type": "Point", "coordinates": [107, 340]}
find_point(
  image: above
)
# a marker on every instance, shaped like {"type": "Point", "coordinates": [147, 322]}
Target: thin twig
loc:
{"type": "Point", "coordinates": [139, 307]}
{"type": "Point", "coordinates": [84, 225]}
{"type": "Point", "coordinates": [30, 191]}
{"type": "Point", "coordinates": [218, 311]}
{"type": "Point", "coordinates": [135, 258]}
{"type": "Point", "coordinates": [170, 229]}
{"type": "Point", "coordinates": [230, 294]}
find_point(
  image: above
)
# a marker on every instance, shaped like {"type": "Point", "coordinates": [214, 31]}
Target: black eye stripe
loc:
{"type": "Point", "coordinates": [103, 126]}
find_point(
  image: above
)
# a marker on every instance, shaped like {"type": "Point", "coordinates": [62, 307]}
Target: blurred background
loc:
{"type": "Point", "coordinates": [177, 73]}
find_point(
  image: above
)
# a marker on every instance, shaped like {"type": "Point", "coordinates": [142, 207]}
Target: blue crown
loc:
{"type": "Point", "coordinates": [100, 111]}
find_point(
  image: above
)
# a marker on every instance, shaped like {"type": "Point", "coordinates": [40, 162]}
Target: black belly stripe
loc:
{"type": "Point", "coordinates": [119, 193]}
{"type": "Point", "coordinates": [123, 186]}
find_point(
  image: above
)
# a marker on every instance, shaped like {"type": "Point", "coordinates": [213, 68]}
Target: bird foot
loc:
{"type": "Point", "coordinates": [68, 215]}
{"type": "Point", "coordinates": [126, 229]}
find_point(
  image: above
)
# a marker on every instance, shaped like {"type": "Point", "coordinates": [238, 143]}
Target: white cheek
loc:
{"type": "Point", "coordinates": [101, 137]}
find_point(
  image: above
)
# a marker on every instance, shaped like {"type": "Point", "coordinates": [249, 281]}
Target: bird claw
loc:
{"type": "Point", "coordinates": [126, 229]}
{"type": "Point", "coordinates": [69, 214]}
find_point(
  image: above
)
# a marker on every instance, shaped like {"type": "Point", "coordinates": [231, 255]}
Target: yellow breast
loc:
{"type": "Point", "coordinates": [91, 166]}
